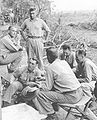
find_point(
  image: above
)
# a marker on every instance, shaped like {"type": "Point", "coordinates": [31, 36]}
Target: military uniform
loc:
{"type": "Point", "coordinates": [35, 30]}
{"type": "Point", "coordinates": [9, 53]}
{"type": "Point", "coordinates": [22, 76]}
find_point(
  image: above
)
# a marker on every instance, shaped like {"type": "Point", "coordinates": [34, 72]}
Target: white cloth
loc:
{"type": "Point", "coordinates": [21, 112]}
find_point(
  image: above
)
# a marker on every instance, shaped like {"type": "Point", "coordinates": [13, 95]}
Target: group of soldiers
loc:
{"type": "Point", "coordinates": [63, 80]}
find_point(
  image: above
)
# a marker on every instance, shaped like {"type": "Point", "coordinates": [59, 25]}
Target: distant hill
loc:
{"type": "Point", "coordinates": [81, 16]}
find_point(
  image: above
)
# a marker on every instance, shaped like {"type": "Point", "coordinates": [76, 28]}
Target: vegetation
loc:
{"type": "Point", "coordinates": [61, 24]}
{"type": "Point", "coordinates": [71, 28]}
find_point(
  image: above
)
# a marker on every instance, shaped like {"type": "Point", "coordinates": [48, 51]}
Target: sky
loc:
{"type": "Point", "coordinates": [74, 5]}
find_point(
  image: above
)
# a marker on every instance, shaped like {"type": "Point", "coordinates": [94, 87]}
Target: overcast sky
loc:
{"type": "Point", "coordinates": [75, 5]}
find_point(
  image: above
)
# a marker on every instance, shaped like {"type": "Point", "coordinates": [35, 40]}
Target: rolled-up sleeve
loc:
{"type": "Point", "coordinates": [9, 45]}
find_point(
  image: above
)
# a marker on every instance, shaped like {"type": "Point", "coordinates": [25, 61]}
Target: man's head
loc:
{"type": "Point", "coordinates": [80, 55]}
{"type": "Point", "coordinates": [33, 13]}
{"type": "Point", "coordinates": [13, 30]}
{"type": "Point", "coordinates": [32, 63]}
{"type": "Point", "coordinates": [52, 54]}
{"type": "Point", "coordinates": [66, 49]}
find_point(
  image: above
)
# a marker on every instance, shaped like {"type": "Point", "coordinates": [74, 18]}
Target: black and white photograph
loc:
{"type": "Point", "coordinates": [48, 60]}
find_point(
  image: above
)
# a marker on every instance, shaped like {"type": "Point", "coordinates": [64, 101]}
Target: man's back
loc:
{"type": "Point", "coordinates": [65, 79]}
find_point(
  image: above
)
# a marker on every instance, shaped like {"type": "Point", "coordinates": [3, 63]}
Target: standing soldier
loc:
{"type": "Point", "coordinates": [35, 28]}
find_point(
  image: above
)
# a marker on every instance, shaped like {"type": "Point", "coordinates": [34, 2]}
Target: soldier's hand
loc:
{"type": "Point", "coordinates": [39, 84]}
{"type": "Point", "coordinates": [25, 90]}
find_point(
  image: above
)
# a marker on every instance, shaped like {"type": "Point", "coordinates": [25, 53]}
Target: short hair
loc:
{"type": "Point", "coordinates": [65, 47]}
{"type": "Point", "coordinates": [52, 54]}
{"type": "Point", "coordinates": [32, 9]}
{"type": "Point", "coordinates": [81, 52]}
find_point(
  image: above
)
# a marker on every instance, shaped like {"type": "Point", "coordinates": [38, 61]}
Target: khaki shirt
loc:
{"type": "Point", "coordinates": [88, 70]}
{"type": "Point", "coordinates": [61, 78]}
{"type": "Point", "coordinates": [35, 27]}
{"type": "Point", "coordinates": [7, 46]}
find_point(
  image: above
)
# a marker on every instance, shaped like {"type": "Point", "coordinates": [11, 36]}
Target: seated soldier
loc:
{"type": "Point", "coordinates": [68, 55]}
{"type": "Point", "coordinates": [25, 78]}
{"type": "Point", "coordinates": [61, 86]}
{"type": "Point", "coordinates": [86, 69]}
{"type": "Point", "coordinates": [10, 52]}
{"type": "Point", "coordinates": [10, 55]}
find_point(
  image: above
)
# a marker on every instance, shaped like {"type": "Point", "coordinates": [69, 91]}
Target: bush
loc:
{"type": "Point", "coordinates": [94, 26]}
{"type": "Point", "coordinates": [85, 25]}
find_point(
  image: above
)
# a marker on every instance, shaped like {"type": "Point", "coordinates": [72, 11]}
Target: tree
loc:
{"type": "Point", "coordinates": [21, 7]}
{"type": "Point", "coordinates": [43, 6]}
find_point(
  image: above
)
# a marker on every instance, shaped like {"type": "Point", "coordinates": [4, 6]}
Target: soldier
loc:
{"type": "Point", "coordinates": [61, 86]}
{"type": "Point", "coordinates": [10, 52]}
{"type": "Point", "coordinates": [35, 28]}
{"type": "Point", "coordinates": [23, 79]}
{"type": "Point", "coordinates": [68, 55]}
{"type": "Point", "coordinates": [86, 69]}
